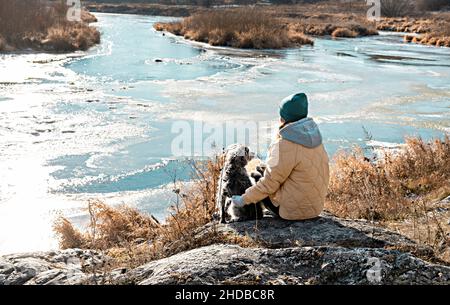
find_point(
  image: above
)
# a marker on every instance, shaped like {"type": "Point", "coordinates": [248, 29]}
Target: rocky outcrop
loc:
{"type": "Point", "coordinates": [70, 267]}
{"type": "Point", "coordinates": [326, 250]}
{"type": "Point", "coordinates": [326, 230]}
{"type": "Point", "coordinates": [231, 264]}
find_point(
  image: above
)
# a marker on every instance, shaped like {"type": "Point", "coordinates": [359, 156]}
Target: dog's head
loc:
{"type": "Point", "coordinates": [238, 155]}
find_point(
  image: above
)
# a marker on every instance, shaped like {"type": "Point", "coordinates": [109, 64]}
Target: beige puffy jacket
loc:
{"type": "Point", "coordinates": [297, 174]}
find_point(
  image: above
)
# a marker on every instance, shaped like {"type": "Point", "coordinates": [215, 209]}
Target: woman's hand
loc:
{"type": "Point", "coordinates": [238, 201]}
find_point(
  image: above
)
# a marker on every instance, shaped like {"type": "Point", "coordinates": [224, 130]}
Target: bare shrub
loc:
{"type": "Point", "coordinates": [395, 8]}
{"type": "Point", "coordinates": [422, 167]}
{"type": "Point", "coordinates": [69, 237]}
{"type": "Point", "coordinates": [432, 5]}
{"type": "Point", "coordinates": [109, 227]}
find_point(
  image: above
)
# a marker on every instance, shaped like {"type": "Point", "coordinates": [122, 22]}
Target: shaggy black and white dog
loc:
{"type": "Point", "coordinates": [234, 180]}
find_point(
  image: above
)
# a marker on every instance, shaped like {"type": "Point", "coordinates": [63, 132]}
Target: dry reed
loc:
{"type": "Point", "coordinates": [239, 28]}
{"type": "Point", "coordinates": [42, 25]}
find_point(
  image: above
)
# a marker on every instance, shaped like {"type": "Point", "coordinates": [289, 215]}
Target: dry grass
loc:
{"type": "Point", "coordinates": [133, 238]}
{"type": "Point", "coordinates": [273, 26]}
{"type": "Point", "coordinates": [432, 40]}
{"type": "Point", "coordinates": [240, 28]}
{"type": "Point", "coordinates": [401, 191]}
{"type": "Point", "coordinates": [427, 224]}
{"type": "Point", "coordinates": [71, 38]}
{"type": "Point", "coordinates": [344, 32]}
{"type": "Point", "coordinates": [384, 189]}
{"type": "Point", "coordinates": [434, 28]}
{"type": "Point", "coordinates": [36, 25]}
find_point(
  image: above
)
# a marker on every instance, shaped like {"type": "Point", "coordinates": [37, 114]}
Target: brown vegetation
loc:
{"type": "Point", "coordinates": [336, 26]}
{"type": "Point", "coordinates": [318, 18]}
{"type": "Point", "coordinates": [344, 32]}
{"type": "Point", "coordinates": [434, 28]}
{"type": "Point", "coordinates": [132, 238]}
{"type": "Point", "coordinates": [402, 191]}
{"type": "Point", "coordinates": [382, 189]}
{"type": "Point", "coordinates": [239, 28]}
{"type": "Point", "coordinates": [274, 26]}
{"type": "Point", "coordinates": [33, 24]}
{"type": "Point", "coordinates": [399, 191]}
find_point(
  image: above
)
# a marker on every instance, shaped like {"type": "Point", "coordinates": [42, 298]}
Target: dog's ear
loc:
{"type": "Point", "coordinates": [261, 168]}
{"type": "Point", "coordinates": [256, 176]}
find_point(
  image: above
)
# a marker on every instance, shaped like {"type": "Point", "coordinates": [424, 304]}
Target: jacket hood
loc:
{"type": "Point", "coordinates": [304, 132]}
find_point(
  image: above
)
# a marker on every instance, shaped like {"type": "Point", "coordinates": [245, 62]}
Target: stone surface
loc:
{"type": "Point", "coordinates": [326, 250]}
{"type": "Point", "coordinates": [231, 264]}
{"type": "Point", "coordinates": [46, 268]}
{"type": "Point", "coordinates": [325, 230]}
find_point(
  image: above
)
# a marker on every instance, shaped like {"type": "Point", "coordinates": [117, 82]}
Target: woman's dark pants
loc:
{"type": "Point", "coordinates": [269, 205]}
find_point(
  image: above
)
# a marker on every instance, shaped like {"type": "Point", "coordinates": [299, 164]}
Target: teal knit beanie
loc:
{"type": "Point", "coordinates": [294, 108]}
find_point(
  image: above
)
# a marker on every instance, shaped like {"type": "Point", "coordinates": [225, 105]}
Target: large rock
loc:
{"type": "Point", "coordinates": [326, 230]}
{"type": "Point", "coordinates": [231, 264]}
{"type": "Point", "coordinates": [326, 250]}
{"type": "Point", "coordinates": [73, 266]}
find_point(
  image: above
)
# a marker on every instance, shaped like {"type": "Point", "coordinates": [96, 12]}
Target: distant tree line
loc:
{"type": "Point", "coordinates": [388, 6]}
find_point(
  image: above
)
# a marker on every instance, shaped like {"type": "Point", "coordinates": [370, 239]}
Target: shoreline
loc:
{"type": "Point", "coordinates": [306, 23]}
{"type": "Point", "coordinates": [57, 38]}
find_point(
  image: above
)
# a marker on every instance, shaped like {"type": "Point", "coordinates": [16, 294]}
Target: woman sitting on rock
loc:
{"type": "Point", "coordinates": [295, 181]}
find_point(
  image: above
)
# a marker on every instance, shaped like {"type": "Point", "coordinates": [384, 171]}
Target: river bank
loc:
{"type": "Point", "coordinates": [308, 19]}
{"type": "Point", "coordinates": [33, 26]}
{"type": "Point", "coordinates": [432, 29]}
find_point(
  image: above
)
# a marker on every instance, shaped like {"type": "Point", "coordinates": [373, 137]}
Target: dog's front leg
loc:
{"type": "Point", "coordinates": [223, 209]}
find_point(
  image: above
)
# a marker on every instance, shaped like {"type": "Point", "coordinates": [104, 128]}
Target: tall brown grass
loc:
{"type": "Point", "coordinates": [384, 189]}
{"type": "Point", "coordinates": [40, 24]}
{"type": "Point", "coordinates": [71, 37]}
{"type": "Point", "coordinates": [239, 28]}
{"type": "Point", "coordinates": [132, 238]}
{"type": "Point", "coordinates": [336, 25]}
{"type": "Point", "coordinates": [402, 191]}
